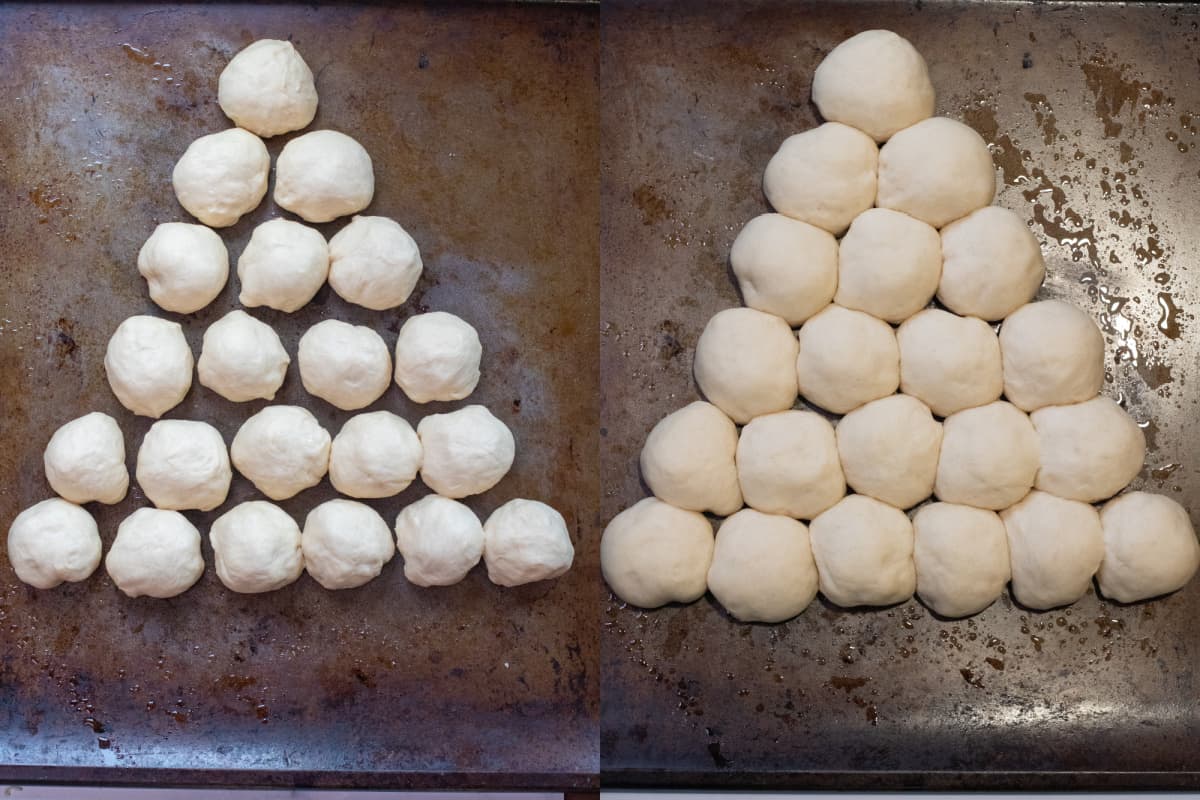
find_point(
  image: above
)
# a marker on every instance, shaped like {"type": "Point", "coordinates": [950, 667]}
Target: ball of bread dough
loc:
{"type": "Point", "coordinates": [374, 262]}
{"type": "Point", "coordinates": [242, 358]}
{"type": "Point", "coordinates": [466, 451]}
{"type": "Point", "coordinates": [785, 267]}
{"type": "Point", "coordinates": [441, 540]}
{"type": "Point", "coordinates": [256, 548]}
{"type": "Point", "coordinates": [938, 171]}
{"type": "Point", "coordinates": [283, 450]}
{"type": "Point", "coordinates": [324, 175]}
{"type": "Point", "coordinates": [1053, 354]}
{"type": "Point", "coordinates": [653, 553]}
{"type": "Point", "coordinates": [377, 454]}
{"type": "Point", "coordinates": [1055, 547]}
{"type": "Point", "coordinates": [222, 176]}
{"type": "Point", "coordinates": [762, 567]}
{"type": "Point", "coordinates": [688, 460]}
{"type": "Point", "coordinates": [526, 541]}
{"type": "Point", "coordinates": [991, 264]}
{"type": "Point", "coordinates": [437, 357]}
{"type": "Point", "coordinates": [825, 176]}
{"type": "Point", "coordinates": [846, 358]}
{"type": "Point", "coordinates": [961, 556]}
{"type": "Point", "coordinates": [989, 457]}
{"type": "Point", "coordinates": [183, 464]}
{"type": "Point", "coordinates": [864, 553]}
{"type": "Point", "coordinates": [283, 266]}
{"type": "Point", "coordinates": [888, 265]}
{"type": "Point", "coordinates": [156, 554]}
{"type": "Point", "coordinates": [347, 365]}
{"type": "Point", "coordinates": [1150, 547]}
{"type": "Point", "coordinates": [345, 544]}
{"type": "Point", "coordinates": [149, 365]}
{"type": "Point", "coordinates": [1089, 451]}
{"type": "Point", "coordinates": [744, 363]}
{"type": "Point", "coordinates": [85, 460]}
{"type": "Point", "coordinates": [268, 89]}
{"type": "Point", "coordinates": [787, 463]}
{"type": "Point", "coordinates": [949, 362]}
{"type": "Point", "coordinates": [185, 266]}
{"type": "Point", "coordinates": [889, 450]}
{"type": "Point", "coordinates": [875, 81]}
{"type": "Point", "coordinates": [51, 542]}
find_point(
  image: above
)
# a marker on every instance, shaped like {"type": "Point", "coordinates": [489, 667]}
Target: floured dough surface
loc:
{"type": "Point", "coordinates": [961, 556]}
{"type": "Point", "coordinates": [744, 363]}
{"type": "Point", "coordinates": [377, 454]}
{"type": "Point", "coordinates": [156, 554]}
{"type": "Point", "coordinates": [374, 263]}
{"type": "Point", "coordinates": [52, 542]}
{"type": "Point", "coordinates": [85, 460]}
{"type": "Point", "coordinates": [345, 544]}
{"type": "Point", "coordinates": [437, 357]}
{"type": "Point", "coordinates": [242, 358]}
{"type": "Point", "coordinates": [268, 89]}
{"type": "Point", "coordinates": [323, 175]}
{"type": "Point", "coordinates": [283, 266]}
{"type": "Point", "coordinates": [949, 362]}
{"type": "Point", "coordinates": [762, 568]}
{"type": "Point", "coordinates": [846, 358]}
{"type": "Point", "coordinates": [652, 554]}
{"type": "Point", "coordinates": [222, 176]}
{"type": "Point", "coordinates": [1150, 547]}
{"type": "Point", "coordinates": [825, 176]}
{"type": "Point", "coordinates": [526, 541]}
{"type": "Point", "coordinates": [989, 457]}
{"type": "Point", "coordinates": [864, 553]}
{"type": "Point", "coordinates": [688, 460]}
{"type": "Point", "coordinates": [441, 540]}
{"type": "Point", "coordinates": [788, 464]}
{"type": "Point", "coordinates": [149, 365]}
{"type": "Point", "coordinates": [256, 548]}
{"type": "Point", "coordinates": [888, 265]}
{"type": "Point", "coordinates": [185, 266]}
{"type": "Point", "coordinates": [183, 464]}
{"type": "Point", "coordinates": [889, 450]}
{"type": "Point", "coordinates": [347, 365]}
{"type": "Point", "coordinates": [283, 450]}
{"type": "Point", "coordinates": [992, 264]}
{"type": "Point", "coordinates": [1053, 354]}
{"type": "Point", "coordinates": [785, 267]}
{"type": "Point", "coordinates": [938, 170]}
{"type": "Point", "coordinates": [1088, 451]}
{"type": "Point", "coordinates": [466, 451]}
{"type": "Point", "coordinates": [1055, 547]}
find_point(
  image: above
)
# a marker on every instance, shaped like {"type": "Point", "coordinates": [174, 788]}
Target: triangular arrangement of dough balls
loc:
{"type": "Point", "coordinates": [878, 211]}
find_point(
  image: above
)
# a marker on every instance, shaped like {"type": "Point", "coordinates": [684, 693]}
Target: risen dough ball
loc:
{"type": "Point", "coordinates": [1053, 355]}
{"type": "Point", "coordinates": [1089, 451]}
{"type": "Point", "coordinates": [242, 358]}
{"type": "Point", "coordinates": [864, 553]}
{"type": "Point", "coordinates": [824, 176]}
{"type": "Point", "coordinates": [762, 567]}
{"type": "Point", "coordinates": [283, 450]}
{"type": "Point", "coordinates": [324, 175]}
{"type": "Point", "coordinates": [526, 541]}
{"type": "Point", "coordinates": [846, 358]}
{"type": "Point", "coordinates": [184, 464]}
{"type": "Point", "coordinates": [889, 450]}
{"type": "Point", "coordinates": [52, 542]}
{"type": "Point", "coordinates": [283, 266]}
{"type": "Point", "coordinates": [441, 540]}
{"type": "Point", "coordinates": [785, 267]}
{"type": "Point", "coordinates": [937, 171]}
{"type": "Point", "coordinates": [85, 460]}
{"type": "Point", "coordinates": [653, 553]}
{"type": "Point", "coordinates": [345, 544]}
{"type": "Point", "coordinates": [466, 451]}
{"type": "Point", "coordinates": [348, 365]}
{"type": "Point", "coordinates": [991, 264]}
{"type": "Point", "coordinates": [222, 176]}
{"type": "Point", "coordinates": [961, 555]}
{"type": "Point", "coordinates": [256, 548]}
{"type": "Point", "coordinates": [149, 365]}
{"type": "Point", "coordinates": [374, 262]}
{"type": "Point", "coordinates": [744, 361]}
{"type": "Point", "coordinates": [888, 265]}
{"type": "Point", "coordinates": [688, 460]}
{"type": "Point", "coordinates": [185, 265]}
{"type": "Point", "coordinates": [268, 89]}
{"type": "Point", "coordinates": [156, 554]}
{"type": "Point", "coordinates": [437, 357]}
{"type": "Point", "coordinates": [1150, 547]}
{"type": "Point", "coordinates": [1055, 546]}
{"type": "Point", "coordinates": [787, 463]}
{"type": "Point", "coordinates": [949, 362]}
{"type": "Point", "coordinates": [374, 455]}
{"type": "Point", "coordinates": [989, 457]}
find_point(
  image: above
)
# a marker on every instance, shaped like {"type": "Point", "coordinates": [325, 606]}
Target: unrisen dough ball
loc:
{"type": "Point", "coordinates": [85, 460]}
{"type": "Point", "coordinates": [466, 451]}
{"type": "Point", "coordinates": [1053, 355]}
{"type": "Point", "coordinates": [149, 365]}
{"type": "Point", "coordinates": [991, 264]}
{"type": "Point", "coordinates": [345, 544]}
{"type": "Point", "coordinates": [787, 463]}
{"type": "Point", "coordinates": [283, 450]}
{"type": "Point", "coordinates": [222, 176]}
{"type": "Point", "coordinates": [688, 460]}
{"type": "Point", "coordinates": [824, 176]}
{"type": "Point", "coordinates": [653, 553]}
{"type": "Point", "coordinates": [183, 464]}
{"type": "Point", "coordinates": [889, 450]}
{"type": "Point", "coordinates": [846, 358]}
{"type": "Point", "coordinates": [864, 553]}
{"type": "Point", "coordinates": [283, 266]}
{"type": "Point", "coordinates": [437, 357]}
{"type": "Point", "coordinates": [348, 365]}
{"type": "Point", "coordinates": [1150, 547]}
{"type": "Point", "coordinates": [156, 554]}
{"type": "Point", "coordinates": [441, 540]}
{"type": "Point", "coordinates": [949, 362]}
{"type": "Point", "coordinates": [762, 567]}
{"type": "Point", "coordinates": [1089, 451]}
{"type": "Point", "coordinates": [785, 267]}
{"type": "Point", "coordinates": [52, 542]}
{"type": "Point", "coordinates": [376, 454]}
{"type": "Point", "coordinates": [743, 363]}
{"type": "Point", "coordinates": [268, 89]}
{"type": "Point", "coordinates": [374, 262]}
{"type": "Point", "coordinates": [1055, 546]}
{"type": "Point", "coordinates": [526, 541]}
{"type": "Point", "coordinates": [324, 175]}
{"type": "Point", "coordinates": [185, 266]}
{"type": "Point", "coordinates": [242, 358]}
{"type": "Point", "coordinates": [937, 171]}
{"type": "Point", "coordinates": [961, 555]}
{"type": "Point", "coordinates": [888, 265]}
{"type": "Point", "coordinates": [989, 457]}
{"type": "Point", "coordinates": [256, 548]}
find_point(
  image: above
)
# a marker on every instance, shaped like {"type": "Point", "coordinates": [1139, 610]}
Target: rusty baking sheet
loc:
{"type": "Point", "coordinates": [481, 121]}
{"type": "Point", "coordinates": [1092, 111]}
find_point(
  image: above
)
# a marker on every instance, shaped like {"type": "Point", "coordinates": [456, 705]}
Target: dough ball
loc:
{"type": "Point", "coordinates": [1150, 547]}
{"type": "Point", "coordinates": [937, 171]}
{"type": "Point", "coordinates": [347, 365]}
{"type": "Point", "coordinates": [824, 176]}
{"type": "Point", "coordinates": [222, 176]}
{"type": "Point", "coordinates": [242, 358]}
{"type": "Point", "coordinates": [376, 454]}
{"type": "Point", "coordinates": [875, 81]}
{"type": "Point", "coordinates": [283, 266]}
{"type": "Point", "coordinates": [324, 175]}
{"type": "Point", "coordinates": [1053, 354]}
{"type": "Point", "coordinates": [345, 544]}
{"type": "Point", "coordinates": [437, 357]}
{"type": "Point", "coordinates": [785, 267]}
{"type": "Point", "coordinates": [256, 548]}
{"type": "Point", "coordinates": [283, 450]}
{"type": "Point", "coordinates": [185, 266]}
{"type": "Point", "coordinates": [52, 542]}
{"type": "Point", "coordinates": [744, 363]}
{"type": "Point", "coordinates": [183, 464]}
{"type": "Point", "coordinates": [466, 451]}
{"type": "Point", "coordinates": [846, 358]}
{"type": "Point", "coordinates": [889, 450]}
{"type": "Point", "coordinates": [961, 555]}
{"type": "Point", "coordinates": [653, 553]}
{"type": "Point", "coordinates": [1055, 546]}
{"type": "Point", "coordinates": [787, 464]}
{"type": "Point", "coordinates": [888, 265]}
{"type": "Point", "coordinates": [85, 460]}
{"type": "Point", "coordinates": [864, 553]}
{"type": "Point", "coordinates": [949, 362]}
{"type": "Point", "coordinates": [1089, 451]}
{"type": "Point", "coordinates": [989, 457]}
{"type": "Point", "coordinates": [268, 89]}
{"type": "Point", "coordinates": [441, 540]}
{"type": "Point", "coordinates": [149, 365]}
{"type": "Point", "coordinates": [156, 554]}
{"type": "Point", "coordinates": [374, 262]}
{"type": "Point", "coordinates": [991, 264]}
{"type": "Point", "coordinates": [688, 460]}
{"type": "Point", "coordinates": [526, 541]}
{"type": "Point", "coordinates": [762, 567]}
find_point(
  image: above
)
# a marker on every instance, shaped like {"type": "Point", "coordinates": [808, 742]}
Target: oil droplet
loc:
{"type": "Point", "coordinates": [1169, 322]}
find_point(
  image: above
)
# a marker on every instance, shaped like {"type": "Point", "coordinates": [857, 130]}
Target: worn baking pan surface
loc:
{"type": "Point", "coordinates": [481, 123]}
{"type": "Point", "coordinates": [1089, 109]}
